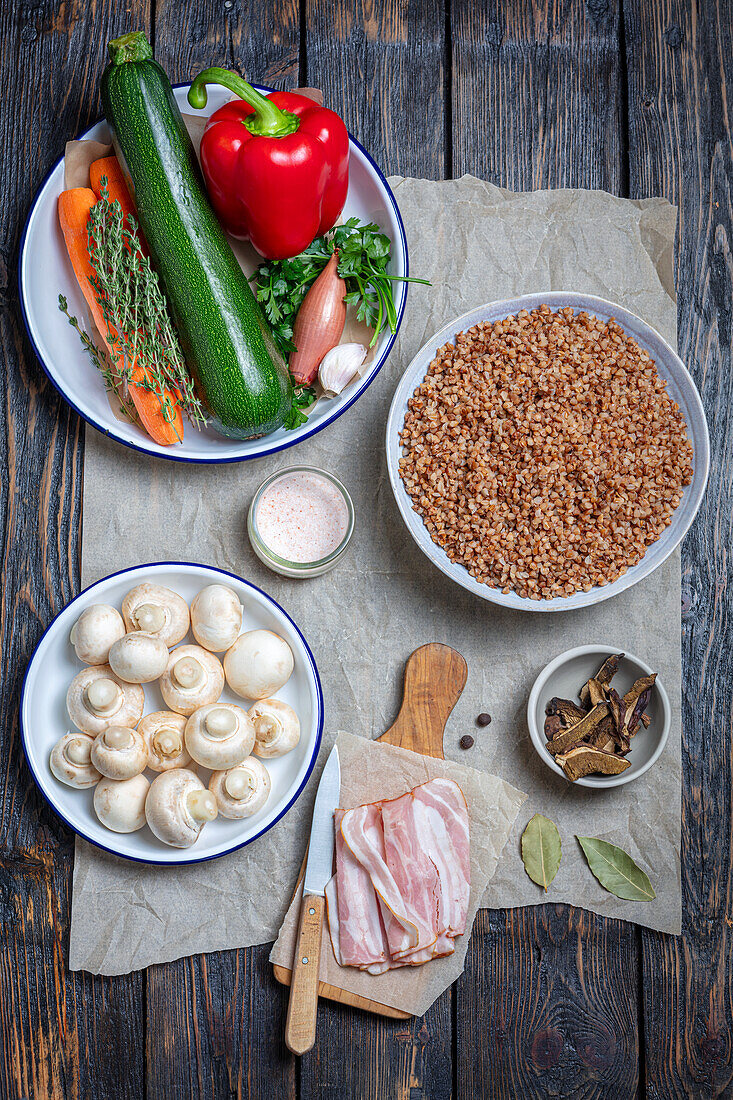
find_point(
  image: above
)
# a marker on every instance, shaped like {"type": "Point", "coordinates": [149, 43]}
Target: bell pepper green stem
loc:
{"type": "Point", "coordinates": [267, 120]}
{"type": "Point", "coordinates": [130, 47]}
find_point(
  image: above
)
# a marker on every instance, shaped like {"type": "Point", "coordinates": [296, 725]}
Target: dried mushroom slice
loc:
{"type": "Point", "coordinates": [637, 700]}
{"type": "Point", "coordinates": [603, 736]}
{"type": "Point", "coordinates": [605, 674]}
{"type": "Point", "coordinates": [584, 760]}
{"type": "Point", "coordinates": [579, 731]}
{"type": "Point", "coordinates": [596, 692]}
{"type": "Point", "coordinates": [553, 726]}
{"type": "Point", "coordinates": [646, 720]}
{"type": "Point", "coordinates": [569, 712]}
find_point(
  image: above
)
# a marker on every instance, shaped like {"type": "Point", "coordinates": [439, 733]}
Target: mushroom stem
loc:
{"type": "Point", "coordinates": [118, 737]}
{"type": "Point", "coordinates": [188, 673]}
{"type": "Point", "coordinates": [150, 617]}
{"type": "Point", "coordinates": [238, 783]}
{"type": "Point", "coordinates": [265, 727]}
{"type": "Point", "coordinates": [167, 742]}
{"type": "Point", "coordinates": [201, 805]}
{"type": "Point", "coordinates": [104, 697]}
{"type": "Point", "coordinates": [78, 751]}
{"type": "Point", "coordinates": [220, 722]}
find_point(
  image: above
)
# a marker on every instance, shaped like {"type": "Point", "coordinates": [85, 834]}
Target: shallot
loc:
{"type": "Point", "coordinates": [319, 323]}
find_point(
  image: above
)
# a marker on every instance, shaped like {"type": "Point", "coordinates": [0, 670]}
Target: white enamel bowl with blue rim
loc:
{"type": "Point", "coordinates": [679, 385]}
{"type": "Point", "coordinates": [45, 271]}
{"type": "Point", "coordinates": [43, 717]}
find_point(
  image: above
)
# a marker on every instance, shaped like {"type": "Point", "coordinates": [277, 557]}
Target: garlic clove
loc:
{"type": "Point", "coordinates": [339, 366]}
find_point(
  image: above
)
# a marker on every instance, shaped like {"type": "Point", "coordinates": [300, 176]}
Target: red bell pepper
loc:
{"type": "Point", "coordinates": [276, 167]}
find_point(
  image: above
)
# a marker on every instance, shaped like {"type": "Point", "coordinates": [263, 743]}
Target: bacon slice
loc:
{"type": "Point", "coordinates": [359, 928]}
{"type": "Point", "coordinates": [441, 817]}
{"type": "Point", "coordinates": [401, 890]}
{"type": "Point", "coordinates": [413, 871]}
{"type": "Point", "coordinates": [361, 828]}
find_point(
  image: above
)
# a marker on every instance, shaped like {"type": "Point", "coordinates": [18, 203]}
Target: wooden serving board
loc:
{"type": "Point", "coordinates": [435, 676]}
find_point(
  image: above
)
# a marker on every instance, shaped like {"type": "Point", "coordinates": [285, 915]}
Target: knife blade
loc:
{"type": "Point", "coordinates": [318, 868]}
{"type": "Point", "coordinates": [300, 1026]}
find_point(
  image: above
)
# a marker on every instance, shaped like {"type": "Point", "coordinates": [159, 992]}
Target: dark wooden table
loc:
{"type": "Point", "coordinates": [632, 96]}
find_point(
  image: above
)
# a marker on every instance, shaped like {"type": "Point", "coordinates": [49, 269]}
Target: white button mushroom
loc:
{"type": "Point", "coordinates": [156, 610]}
{"type": "Point", "coordinates": [139, 658]}
{"type": "Point", "coordinates": [219, 735]}
{"type": "Point", "coordinates": [97, 698]}
{"type": "Point", "coordinates": [119, 752]}
{"type": "Point", "coordinates": [258, 664]}
{"type": "Point", "coordinates": [193, 678]}
{"type": "Point", "coordinates": [120, 803]}
{"type": "Point", "coordinates": [216, 617]}
{"type": "Point", "coordinates": [163, 733]}
{"type": "Point", "coordinates": [276, 725]}
{"type": "Point", "coordinates": [96, 629]}
{"type": "Point", "coordinates": [178, 806]}
{"type": "Point", "coordinates": [71, 761]}
{"type": "Point", "coordinates": [241, 791]}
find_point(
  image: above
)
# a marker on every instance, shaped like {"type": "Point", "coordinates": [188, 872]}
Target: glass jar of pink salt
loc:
{"type": "Point", "coordinates": [300, 521]}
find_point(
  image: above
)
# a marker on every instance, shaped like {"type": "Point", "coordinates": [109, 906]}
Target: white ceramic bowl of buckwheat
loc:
{"type": "Point", "coordinates": [679, 386]}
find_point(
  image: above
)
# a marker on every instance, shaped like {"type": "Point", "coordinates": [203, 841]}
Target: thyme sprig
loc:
{"type": "Point", "coordinates": [141, 337]}
{"type": "Point", "coordinates": [112, 380]}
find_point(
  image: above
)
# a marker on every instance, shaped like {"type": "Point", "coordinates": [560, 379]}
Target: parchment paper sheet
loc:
{"type": "Point", "coordinates": [476, 243]}
{"type": "Point", "coordinates": [370, 771]}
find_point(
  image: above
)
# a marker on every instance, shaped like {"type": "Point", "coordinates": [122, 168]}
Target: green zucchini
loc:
{"type": "Point", "coordinates": [224, 334]}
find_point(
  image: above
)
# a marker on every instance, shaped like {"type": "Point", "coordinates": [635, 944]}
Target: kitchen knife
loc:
{"type": "Point", "coordinates": [300, 1027]}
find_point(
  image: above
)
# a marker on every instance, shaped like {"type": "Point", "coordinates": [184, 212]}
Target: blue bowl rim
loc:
{"type": "Point", "coordinates": [319, 720]}
{"type": "Point", "coordinates": [170, 456]}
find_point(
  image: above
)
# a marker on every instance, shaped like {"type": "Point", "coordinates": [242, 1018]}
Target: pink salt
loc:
{"type": "Point", "coordinates": [302, 517]}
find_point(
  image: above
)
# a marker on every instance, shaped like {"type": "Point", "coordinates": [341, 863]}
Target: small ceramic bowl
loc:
{"type": "Point", "coordinates": [565, 676]}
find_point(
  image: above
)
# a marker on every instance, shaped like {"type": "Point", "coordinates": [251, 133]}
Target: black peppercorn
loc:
{"type": "Point", "coordinates": [466, 741]}
{"type": "Point", "coordinates": [483, 719]}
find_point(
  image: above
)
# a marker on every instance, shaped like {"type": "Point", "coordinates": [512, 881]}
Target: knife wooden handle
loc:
{"type": "Point", "coordinates": [300, 1027]}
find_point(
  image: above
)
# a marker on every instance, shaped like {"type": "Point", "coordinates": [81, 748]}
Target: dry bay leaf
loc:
{"type": "Point", "coordinates": [541, 850]}
{"type": "Point", "coordinates": [615, 870]}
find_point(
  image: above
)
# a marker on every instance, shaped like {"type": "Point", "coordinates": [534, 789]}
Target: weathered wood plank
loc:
{"type": "Point", "coordinates": [680, 66]}
{"type": "Point", "coordinates": [537, 99]}
{"type": "Point", "coordinates": [61, 1034]}
{"type": "Point", "coordinates": [549, 1001]}
{"type": "Point", "coordinates": [382, 67]}
{"type": "Point", "coordinates": [215, 1023]}
{"type": "Point", "coordinates": [215, 1027]}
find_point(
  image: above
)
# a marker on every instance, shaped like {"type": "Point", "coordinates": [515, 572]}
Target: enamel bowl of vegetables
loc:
{"type": "Point", "coordinates": [171, 713]}
{"type": "Point", "coordinates": [213, 272]}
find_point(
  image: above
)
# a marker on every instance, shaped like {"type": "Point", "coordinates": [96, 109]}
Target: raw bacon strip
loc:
{"type": "Point", "coordinates": [360, 931]}
{"type": "Point", "coordinates": [413, 871]}
{"type": "Point", "coordinates": [361, 828]}
{"type": "Point", "coordinates": [442, 821]}
{"type": "Point", "coordinates": [332, 913]}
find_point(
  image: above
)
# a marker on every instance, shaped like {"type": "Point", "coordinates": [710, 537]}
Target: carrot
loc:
{"type": "Point", "coordinates": [74, 209]}
{"type": "Point", "coordinates": [117, 191]}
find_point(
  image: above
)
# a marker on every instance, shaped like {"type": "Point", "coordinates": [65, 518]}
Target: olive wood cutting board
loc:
{"type": "Point", "coordinates": [435, 676]}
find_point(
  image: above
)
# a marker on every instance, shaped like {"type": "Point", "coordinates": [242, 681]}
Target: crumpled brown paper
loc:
{"type": "Point", "coordinates": [476, 243]}
{"type": "Point", "coordinates": [371, 771]}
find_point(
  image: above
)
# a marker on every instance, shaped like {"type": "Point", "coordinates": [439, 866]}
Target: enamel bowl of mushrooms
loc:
{"type": "Point", "coordinates": [172, 713]}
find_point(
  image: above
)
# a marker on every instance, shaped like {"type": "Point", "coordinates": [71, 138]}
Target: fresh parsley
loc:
{"type": "Point", "coordinates": [364, 253]}
{"type": "Point", "coordinates": [303, 398]}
